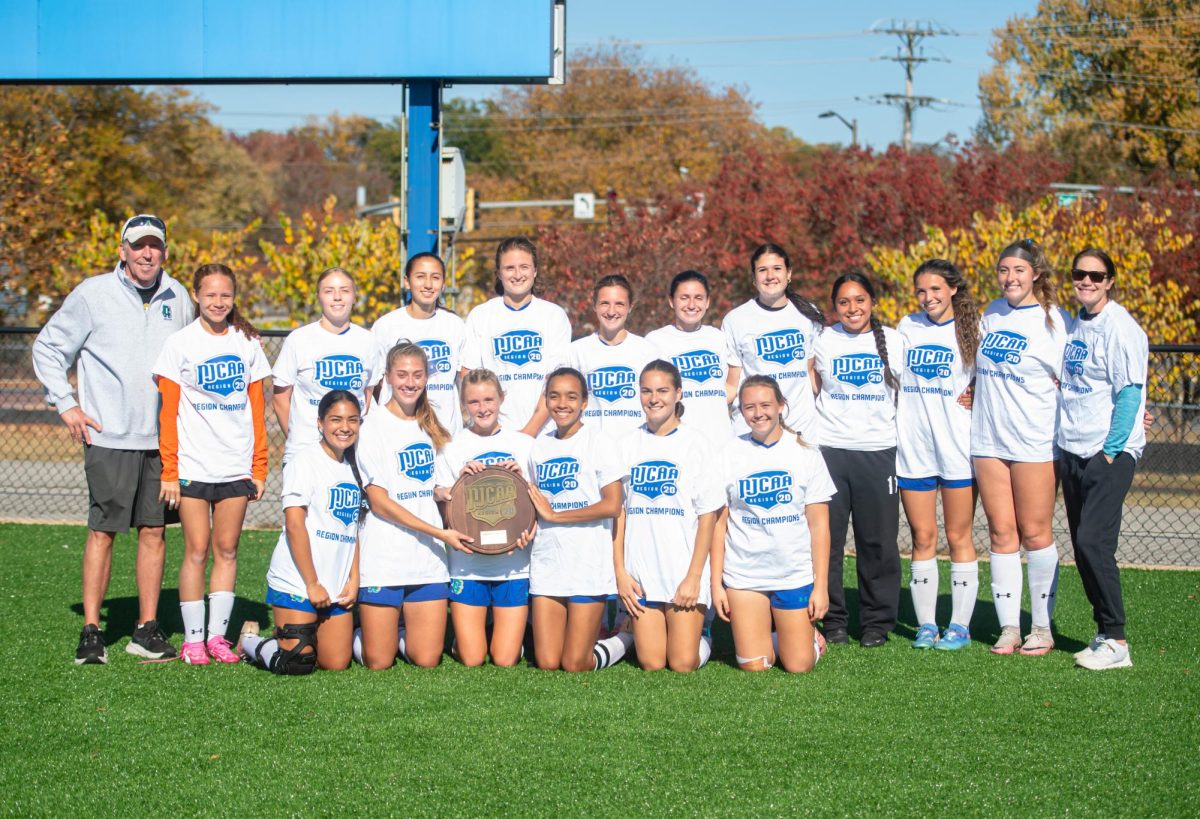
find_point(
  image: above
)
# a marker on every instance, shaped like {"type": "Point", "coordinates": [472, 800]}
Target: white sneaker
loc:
{"type": "Point", "coordinates": [1109, 654]}
{"type": "Point", "coordinates": [1092, 646]}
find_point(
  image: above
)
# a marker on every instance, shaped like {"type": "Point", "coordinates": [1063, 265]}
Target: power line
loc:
{"type": "Point", "coordinates": [1122, 21]}
{"type": "Point", "coordinates": [909, 55]}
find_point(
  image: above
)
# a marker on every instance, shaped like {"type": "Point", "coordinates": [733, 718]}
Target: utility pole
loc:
{"type": "Point", "coordinates": [910, 55]}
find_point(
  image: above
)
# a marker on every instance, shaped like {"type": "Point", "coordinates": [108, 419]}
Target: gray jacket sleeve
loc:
{"type": "Point", "coordinates": [57, 346]}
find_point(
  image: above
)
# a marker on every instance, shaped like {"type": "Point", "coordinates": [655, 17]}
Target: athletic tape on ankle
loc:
{"type": "Point", "coordinates": [747, 660]}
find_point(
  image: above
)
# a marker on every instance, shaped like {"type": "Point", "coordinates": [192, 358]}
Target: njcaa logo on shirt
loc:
{"type": "Point", "coordinates": [613, 383]}
{"type": "Point", "coordinates": [416, 462]}
{"type": "Point", "coordinates": [558, 475]}
{"type": "Point", "coordinates": [766, 490]}
{"type": "Point", "coordinates": [1003, 346]}
{"type": "Point", "coordinates": [222, 375]}
{"type": "Point", "coordinates": [858, 369]}
{"type": "Point", "coordinates": [654, 479]}
{"type": "Point", "coordinates": [345, 499]}
{"type": "Point", "coordinates": [1073, 357]}
{"type": "Point", "coordinates": [339, 372]}
{"type": "Point", "coordinates": [438, 353]}
{"type": "Point", "coordinates": [930, 361]}
{"type": "Point", "coordinates": [493, 458]}
{"type": "Point", "coordinates": [698, 365]}
{"type": "Point", "coordinates": [780, 347]}
{"type": "Point", "coordinates": [518, 347]}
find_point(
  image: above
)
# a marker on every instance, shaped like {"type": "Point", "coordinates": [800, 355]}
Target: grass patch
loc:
{"type": "Point", "coordinates": [886, 731]}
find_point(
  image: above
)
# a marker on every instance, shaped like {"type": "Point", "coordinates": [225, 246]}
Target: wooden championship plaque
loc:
{"type": "Point", "coordinates": [493, 507]}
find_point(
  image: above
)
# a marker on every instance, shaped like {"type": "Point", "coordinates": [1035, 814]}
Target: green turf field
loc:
{"type": "Point", "coordinates": [884, 731]}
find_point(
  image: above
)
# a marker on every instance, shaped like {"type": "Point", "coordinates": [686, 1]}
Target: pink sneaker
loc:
{"type": "Point", "coordinates": [194, 654]}
{"type": "Point", "coordinates": [221, 650]}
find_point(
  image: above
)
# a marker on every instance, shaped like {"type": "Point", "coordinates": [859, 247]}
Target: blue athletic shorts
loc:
{"type": "Point", "coordinates": [581, 598]}
{"type": "Point", "coordinates": [932, 483]}
{"type": "Point", "coordinates": [790, 599]}
{"type": "Point", "coordinates": [653, 604]}
{"type": "Point", "coordinates": [297, 603]}
{"type": "Point", "coordinates": [399, 595]}
{"type": "Point", "coordinates": [501, 594]}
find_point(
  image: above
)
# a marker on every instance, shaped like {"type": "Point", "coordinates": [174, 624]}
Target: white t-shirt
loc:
{"type": "Point", "coordinates": [612, 372]}
{"type": "Point", "coordinates": [521, 347]}
{"type": "Point", "coordinates": [398, 456]}
{"type": "Point", "coordinates": [442, 337]}
{"type": "Point", "coordinates": [573, 558]}
{"type": "Point", "coordinates": [778, 343]}
{"type": "Point", "coordinates": [216, 424]}
{"type": "Point", "coordinates": [1015, 411]}
{"type": "Point", "coordinates": [668, 484]}
{"type": "Point", "coordinates": [703, 358]}
{"type": "Point", "coordinates": [314, 361]}
{"type": "Point", "coordinates": [767, 543]}
{"type": "Point", "coordinates": [856, 406]}
{"type": "Point", "coordinates": [504, 445]}
{"type": "Point", "coordinates": [1104, 354]}
{"type": "Point", "coordinates": [327, 490]}
{"type": "Point", "coordinates": [933, 431]}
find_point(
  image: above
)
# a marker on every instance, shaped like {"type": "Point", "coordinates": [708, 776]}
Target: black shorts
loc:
{"type": "Point", "coordinates": [217, 491]}
{"type": "Point", "coordinates": [123, 487]}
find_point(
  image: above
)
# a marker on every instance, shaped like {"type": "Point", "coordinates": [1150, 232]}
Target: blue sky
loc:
{"type": "Point", "coordinates": [795, 59]}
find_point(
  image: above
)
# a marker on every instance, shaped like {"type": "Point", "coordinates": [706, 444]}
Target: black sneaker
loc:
{"type": "Point", "coordinates": [91, 650]}
{"type": "Point", "coordinates": [150, 642]}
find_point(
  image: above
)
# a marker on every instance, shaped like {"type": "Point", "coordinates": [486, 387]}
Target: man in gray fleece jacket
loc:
{"type": "Point", "coordinates": [110, 328]}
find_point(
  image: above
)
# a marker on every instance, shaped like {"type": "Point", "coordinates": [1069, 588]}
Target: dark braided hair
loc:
{"type": "Point", "coordinates": [235, 318]}
{"type": "Point", "coordinates": [862, 281]}
{"type": "Point", "coordinates": [966, 311]}
{"type": "Point", "coordinates": [806, 307]}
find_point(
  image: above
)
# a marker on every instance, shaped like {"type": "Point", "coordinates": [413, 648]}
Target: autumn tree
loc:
{"type": "Point", "coordinates": [1165, 310]}
{"type": "Point", "coordinates": [1099, 81]}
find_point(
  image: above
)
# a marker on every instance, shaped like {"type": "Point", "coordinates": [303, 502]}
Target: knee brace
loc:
{"type": "Point", "coordinates": [300, 659]}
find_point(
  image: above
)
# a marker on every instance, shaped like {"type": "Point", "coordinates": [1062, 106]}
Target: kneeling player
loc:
{"type": "Point", "coordinates": [313, 579]}
{"type": "Point", "coordinates": [770, 551]}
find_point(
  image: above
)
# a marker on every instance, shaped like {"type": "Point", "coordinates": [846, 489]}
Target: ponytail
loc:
{"type": "Point", "coordinates": [235, 319]}
{"type": "Point", "coordinates": [806, 307]}
{"type": "Point", "coordinates": [1043, 285]}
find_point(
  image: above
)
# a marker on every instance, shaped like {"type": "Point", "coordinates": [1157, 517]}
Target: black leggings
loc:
{"type": "Point", "coordinates": [1094, 493]}
{"type": "Point", "coordinates": [867, 496]}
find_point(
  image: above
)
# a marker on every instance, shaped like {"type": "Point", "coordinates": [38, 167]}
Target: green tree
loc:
{"type": "Point", "coordinates": [1106, 82]}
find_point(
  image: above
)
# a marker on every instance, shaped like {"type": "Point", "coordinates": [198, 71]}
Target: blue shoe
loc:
{"type": "Point", "coordinates": [927, 636]}
{"type": "Point", "coordinates": [954, 638]}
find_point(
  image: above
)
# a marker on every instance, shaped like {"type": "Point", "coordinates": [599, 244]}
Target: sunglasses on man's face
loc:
{"type": "Point", "coordinates": [1094, 276]}
{"type": "Point", "coordinates": [139, 221]}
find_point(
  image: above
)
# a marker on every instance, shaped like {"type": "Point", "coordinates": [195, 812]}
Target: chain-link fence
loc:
{"type": "Point", "coordinates": [41, 471]}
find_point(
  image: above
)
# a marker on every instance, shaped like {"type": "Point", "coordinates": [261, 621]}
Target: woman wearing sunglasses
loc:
{"type": "Point", "coordinates": [1100, 438]}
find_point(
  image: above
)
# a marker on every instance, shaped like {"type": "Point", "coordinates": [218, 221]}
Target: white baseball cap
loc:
{"type": "Point", "coordinates": [143, 225]}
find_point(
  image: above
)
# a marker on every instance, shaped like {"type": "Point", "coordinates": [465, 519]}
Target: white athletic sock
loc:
{"type": "Point", "coordinates": [400, 645]}
{"type": "Point", "coordinates": [262, 659]}
{"type": "Point", "coordinates": [924, 588]}
{"type": "Point", "coordinates": [356, 646]}
{"type": "Point", "coordinates": [220, 609]}
{"type": "Point", "coordinates": [964, 589]}
{"type": "Point", "coordinates": [1043, 584]}
{"type": "Point", "coordinates": [610, 650]}
{"type": "Point", "coordinates": [193, 620]}
{"type": "Point", "coordinates": [1006, 588]}
{"type": "Point", "coordinates": [705, 649]}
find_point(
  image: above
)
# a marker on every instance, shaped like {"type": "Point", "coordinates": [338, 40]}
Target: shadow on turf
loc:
{"type": "Point", "coordinates": [120, 614]}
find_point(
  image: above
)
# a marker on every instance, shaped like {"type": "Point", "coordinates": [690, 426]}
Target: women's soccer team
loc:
{"type": "Point", "coordinates": [690, 474]}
